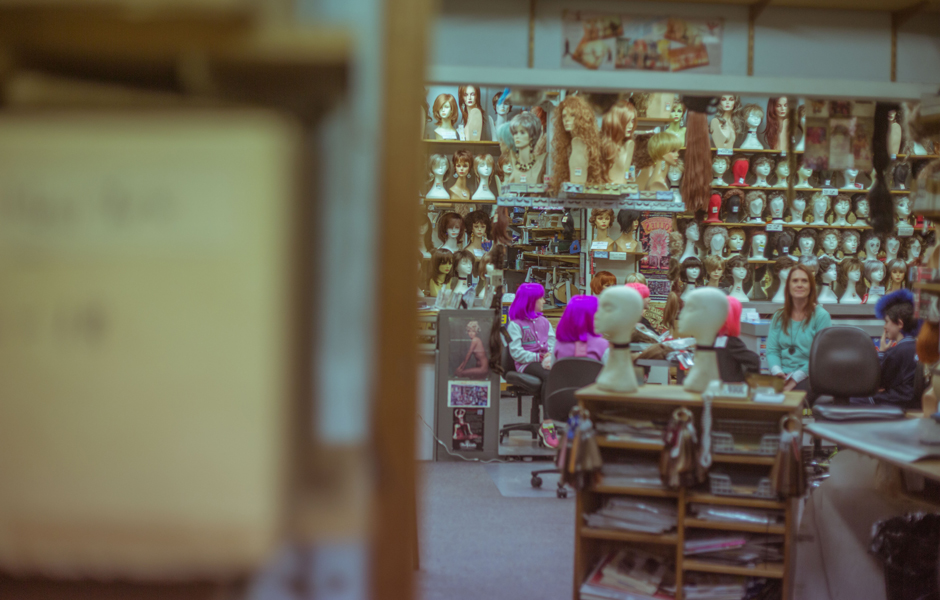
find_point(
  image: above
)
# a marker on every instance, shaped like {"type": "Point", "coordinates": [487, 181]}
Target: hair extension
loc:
{"type": "Point", "coordinates": [585, 129]}
{"type": "Point", "coordinates": [500, 229]}
{"type": "Point", "coordinates": [617, 128]}
{"type": "Point", "coordinates": [696, 180]}
{"type": "Point", "coordinates": [428, 236]}
{"type": "Point", "coordinates": [781, 264]}
{"type": "Point", "coordinates": [601, 280]}
{"type": "Point", "coordinates": [772, 129]}
{"type": "Point", "coordinates": [671, 313]}
{"type": "Point", "coordinates": [879, 197]}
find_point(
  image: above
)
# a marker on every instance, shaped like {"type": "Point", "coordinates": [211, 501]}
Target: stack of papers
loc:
{"type": "Point", "coordinates": [636, 474]}
{"type": "Point", "coordinates": [734, 514]}
{"type": "Point", "coordinates": [631, 430]}
{"type": "Point", "coordinates": [628, 574]}
{"type": "Point", "coordinates": [646, 515]}
{"type": "Point", "coordinates": [709, 586]}
{"type": "Point", "coordinates": [740, 550]}
{"type": "Point", "coordinates": [699, 544]}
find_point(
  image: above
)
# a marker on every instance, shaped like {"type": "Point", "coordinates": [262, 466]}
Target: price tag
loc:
{"type": "Point", "coordinates": [894, 157]}
{"type": "Point", "coordinates": [859, 186]}
{"type": "Point", "coordinates": [830, 191]}
{"type": "Point", "coordinates": [774, 227]}
{"type": "Point", "coordinates": [734, 209]}
{"type": "Point", "coordinates": [877, 290]}
{"type": "Point", "coordinates": [477, 252]}
{"type": "Point", "coordinates": [475, 132]}
{"type": "Point", "coordinates": [630, 175]}
{"type": "Point", "coordinates": [618, 256]}
{"type": "Point", "coordinates": [828, 182]}
{"type": "Point", "coordinates": [634, 196]}
{"type": "Point", "coordinates": [599, 246]}
{"type": "Point", "coordinates": [783, 154]}
{"type": "Point", "coordinates": [725, 152]}
{"type": "Point", "coordinates": [905, 230]}
{"type": "Point", "coordinates": [600, 255]}
{"type": "Point", "coordinates": [577, 172]}
{"type": "Point", "coordinates": [665, 195]}
{"type": "Point", "coordinates": [721, 341]}
{"type": "Point", "coordinates": [901, 186]}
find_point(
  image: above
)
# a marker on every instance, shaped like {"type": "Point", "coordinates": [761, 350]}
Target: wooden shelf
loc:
{"type": "Point", "coordinates": [750, 527]}
{"type": "Point", "coordinates": [665, 539]}
{"type": "Point", "coordinates": [603, 442]}
{"type": "Point", "coordinates": [743, 459]}
{"type": "Point", "coordinates": [919, 156]}
{"type": "Point", "coordinates": [925, 286]}
{"type": "Point", "coordinates": [572, 258]}
{"type": "Point", "coordinates": [707, 498]}
{"type": "Point", "coordinates": [784, 224]}
{"type": "Point", "coordinates": [657, 446]}
{"type": "Point", "coordinates": [634, 491]}
{"type": "Point", "coordinates": [771, 570]}
{"type": "Point", "coordinates": [748, 188]}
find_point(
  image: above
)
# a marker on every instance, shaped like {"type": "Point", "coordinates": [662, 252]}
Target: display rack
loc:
{"type": "Point", "coordinates": [653, 401]}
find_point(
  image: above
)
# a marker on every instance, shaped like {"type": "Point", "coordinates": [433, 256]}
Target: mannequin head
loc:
{"type": "Point", "coordinates": [690, 229]}
{"type": "Point", "coordinates": [850, 273]}
{"type": "Point", "coordinates": [601, 281]}
{"type": "Point", "coordinates": [468, 96]}
{"type": "Point", "coordinates": [776, 115]}
{"type": "Point", "coordinates": [892, 244]}
{"type": "Point", "coordinates": [619, 123]}
{"type": "Point", "coordinates": [450, 226]}
{"type": "Point", "coordinates": [483, 166]}
{"type": "Point", "coordinates": [783, 243]}
{"type": "Point", "coordinates": [762, 165]}
{"type": "Point", "coordinates": [850, 174]}
{"type": "Point", "coordinates": [442, 263]}
{"type": "Point", "coordinates": [912, 248]}
{"type": "Point", "coordinates": [574, 118]}
{"type": "Point", "coordinates": [875, 271]}
{"type": "Point", "coordinates": [438, 166]}
{"type": "Point", "coordinates": [756, 200]}
{"type": "Point", "coordinates": [720, 165]}
{"type": "Point", "coordinates": [862, 208]}
{"type": "Point", "coordinates": [678, 112]}
{"type": "Point", "coordinates": [501, 109]}
{"type": "Point", "coordinates": [664, 146]}
{"type": "Point", "coordinates": [739, 171]}
{"type": "Point", "coordinates": [849, 242]}
{"type": "Point", "coordinates": [464, 263]}
{"type": "Point", "coordinates": [716, 238]}
{"type": "Point", "coordinates": [477, 224]}
{"type": "Point", "coordinates": [820, 206]}
{"type": "Point", "coordinates": [781, 268]}
{"type": "Point", "coordinates": [704, 313]}
{"type": "Point", "coordinates": [798, 207]}
{"type": "Point", "coordinates": [674, 174]}
{"type": "Point", "coordinates": [902, 171]}
{"type": "Point", "coordinates": [494, 260]}
{"type": "Point", "coordinates": [528, 302]}
{"type": "Point", "coordinates": [714, 269]}
{"type": "Point", "coordinates": [805, 171]}
{"type": "Point", "coordinates": [619, 309]}
{"type": "Point", "coordinates": [749, 117]}
{"type": "Point", "coordinates": [737, 269]}
{"type": "Point", "coordinates": [897, 272]}
{"type": "Point", "coordinates": [601, 218]}
{"type": "Point", "coordinates": [782, 170]}
{"type": "Point", "coordinates": [842, 205]}
{"type": "Point", "coordinates": [526, 129]}
{"type": "Point", "coordinates": [463, 161]}
{"type": "Point", "coordinates": [728, 104]}
{"type": "Point", "coordinates": [871, 244]}
{"type": "Point", "coordinates": [504, 166]}
{"type": "Point", "coordinates": [828, 270]}
{"type": "Point", "coordinates": [828, 241]}
{"type": "Point", "coordinates": [734, 200]}
{"type": "Point", "coordinates": [902, 207]}
{"type": "Point", "coordinates": [759, 245]}
{"type": "Point", "coordinates": [777, 205]}
{"type": "Point", "coordinates": [810, 262]}
{"type": "Point", "coordinates": [691, 271]}
{"type": "Point", "coordinates": [736, 239]}
{"type": "Point", "coordinates": [806, 241]}
{"type": "Point", "coordinates": [445, 110]}
{"type": "Point", "coordinates": [714, 209]}
{"type": "Point", "coordinates": [628, 219]}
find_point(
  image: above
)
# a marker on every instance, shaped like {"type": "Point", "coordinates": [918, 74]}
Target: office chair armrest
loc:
{"type": "Point", "coordinates": [529, 383]}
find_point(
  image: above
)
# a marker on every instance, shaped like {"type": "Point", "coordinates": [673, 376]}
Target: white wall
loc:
{"type": "Point", "coordinates": [824, 44]}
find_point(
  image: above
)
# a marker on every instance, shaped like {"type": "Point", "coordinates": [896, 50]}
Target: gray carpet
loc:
{"type": "Point", "coordinates": [478, 544]}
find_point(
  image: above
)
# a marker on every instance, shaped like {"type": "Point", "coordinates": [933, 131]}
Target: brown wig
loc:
{"type": "Point", "coordinates": [460, 256]}
{"type": "Point", "coordinates": [772, 129]}
{"type": "Point", "coordinates": [601, 280]}
{"type": "Point", "coordinates": [879, 197]}
{"type": "Point", "coordinates": [741, 115]}
{"type": "Point", "coordinates": [850, 263]}
{"type": "Point", "coordinates": [445, 221]}
{"type": "Point", "coordinates": [500, 229]}
{"type": "Point", "coordinates": [439, 102]}
{"type": "Point", "coordinates": [617, 127]}
{"type": "Point", "coordinates": [736, 262]}
{"type": "Point", "coordinates": [927, 343]}
{"type": "Point", "coordinates": [692, 263]}
{"type": "Point", "coordinates": [696, 179]}
{"type": "Point", "coordinates": [641, 155]}
{"type": "Point", "coordinates": [601, 212]}
{"type": "Point", "coordinates": [463, 156]}
{"type": "Point", "coordinates": [477, 216]}
{"type": "Point", "coordinates": [441, 256]}
{"type": "Point", "coordinates": [676, 244]}
{"type": "Point", "coordinates": [585, 128]}
{"type": "Point", "coordinates": [496, 257]}
{"type": "Point", "coordinates": [504, 159]}
{"type": "Point", "coordinates": [713, 263]}
{"type": "Point", "coordinates": [783, 316]}
{"type": "Point", "coordinates": [671, 314]}
{"type": "Point", "coordinates": [464, 109]}
{"type": "Point", "coordinates": [496, 98]}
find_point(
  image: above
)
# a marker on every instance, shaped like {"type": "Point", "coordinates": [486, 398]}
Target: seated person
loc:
{"type": "Point", "coordinates": [645, 294]}
{"type": "Point", "coordinates": [734, 359]}
{"type": "Point", "coordinates": [575, 335]}
{"type": "Point", "coordinates": [899, 361]}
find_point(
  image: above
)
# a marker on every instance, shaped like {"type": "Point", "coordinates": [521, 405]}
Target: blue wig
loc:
{"type": "Point", "coordinates": [896, 297]}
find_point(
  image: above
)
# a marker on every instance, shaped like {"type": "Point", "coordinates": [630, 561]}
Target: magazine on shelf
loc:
{"type": "Point", "coordinates": [628, 574]}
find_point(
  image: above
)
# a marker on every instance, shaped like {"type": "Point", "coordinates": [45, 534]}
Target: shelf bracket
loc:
{"type": "Point", "coordinates": [753, 11]}
{"type": "Point", "coordinates": [898, 19]}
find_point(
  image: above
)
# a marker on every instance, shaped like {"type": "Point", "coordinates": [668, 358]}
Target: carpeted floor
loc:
{"type": "Point", "coordinates": [479, 545]}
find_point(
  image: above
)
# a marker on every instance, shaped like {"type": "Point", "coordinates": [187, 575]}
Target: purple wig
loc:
{"type": "Point", "coordinates": [523, 306]}
{"type": "Point", "coordinates": [577, 323]}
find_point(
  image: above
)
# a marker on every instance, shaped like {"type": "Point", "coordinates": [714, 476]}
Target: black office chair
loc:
{"type": "Point", "coordinates": [843, 363]}
{"type": "Point", "coordinates": [567, 376]}
{"type": "Point", "coordinates": [520, 384]}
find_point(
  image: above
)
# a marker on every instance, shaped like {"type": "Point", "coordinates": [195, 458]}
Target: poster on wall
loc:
{"type": "Point", "coordinates": [469, 356]}
{"type": "Point", "coordinates": [468, 429]}
{"type": "Point", "coordinates": [617, 41]}
{"type": "Point", "coordinates": [838, 135]}
{"type": "Point", "coordinates": [654, 229]}
{"type": "Point", "coordinates": [474, 394]}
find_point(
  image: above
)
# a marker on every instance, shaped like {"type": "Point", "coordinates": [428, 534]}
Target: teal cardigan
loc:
{"type": "Point", "coordinates": [799, 338]}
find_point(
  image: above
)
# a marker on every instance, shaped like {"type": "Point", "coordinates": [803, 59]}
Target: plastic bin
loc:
{"type": "Point", "coordinates": [741, 485]}
{"type": "Point", "coordinates": [736, 436]}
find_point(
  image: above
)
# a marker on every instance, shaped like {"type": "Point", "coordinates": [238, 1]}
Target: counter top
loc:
{"type": "Point", "coordinates": [675, 395]}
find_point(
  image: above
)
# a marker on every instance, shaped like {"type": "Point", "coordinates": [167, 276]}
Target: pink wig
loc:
{"type": "Point", "coordinates": [523, 306]}
{"type": "Point", "coordinates": [641, 288]}
{"type": "Point", "coordinates": [732, 326]}
{"type": "Point", "coordinates": [577, 323]}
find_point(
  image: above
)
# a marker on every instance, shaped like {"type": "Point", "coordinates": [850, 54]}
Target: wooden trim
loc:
{"type": "Point", "coordinates": [531, 58]}
{"type": "Point", "coordinates": [753, 11]}
{"type": "Point", "coordinates": [394, 512]}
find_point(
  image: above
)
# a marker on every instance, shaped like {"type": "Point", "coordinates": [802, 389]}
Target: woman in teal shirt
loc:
{"type": "Point", "coordinates": [793, 328]}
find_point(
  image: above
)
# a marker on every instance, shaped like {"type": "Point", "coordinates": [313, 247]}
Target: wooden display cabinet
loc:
{"type": "Point", "coordinates": [655, 401]}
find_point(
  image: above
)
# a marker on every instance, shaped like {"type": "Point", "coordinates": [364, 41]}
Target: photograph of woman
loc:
{"type": "Point", "coordinates": [475, 364]}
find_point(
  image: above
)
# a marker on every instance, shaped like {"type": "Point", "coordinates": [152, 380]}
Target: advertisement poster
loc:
{"type": "Point", "coordinates": [612, 41]}
{"type": "Point", "coordinates": [468, 429]}
{"type": "Point", "coordinates": [469, 356]}
{"type": "Point", "coordinates": [838, 135]}
{"type": "Point", "coordinates": [654, 229]}
{"type": "Point", "coordinates": [473, 394]}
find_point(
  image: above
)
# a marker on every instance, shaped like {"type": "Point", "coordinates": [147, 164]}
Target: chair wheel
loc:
{"type": "Point", "coordinates": [536, 481]}
{"type": "Point", "coordinates": [561, 492]}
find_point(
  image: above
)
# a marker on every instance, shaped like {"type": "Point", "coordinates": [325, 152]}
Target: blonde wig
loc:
{"type": "Point", "coordinates": [662, 144]}
{"type": "Point", "coordinates": [617, 127]}
{"type": "Point", "coordinates": [437, 161]}
{"type": "Point", "coordinates": [439, 103]}
{"type": "Point", "coordinates": [585, 128]}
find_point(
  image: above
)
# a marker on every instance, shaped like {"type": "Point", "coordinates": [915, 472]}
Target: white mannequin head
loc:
{"type": "Point", "coordinates": [776, 206]}
{"type": "Point", "coordinates": [739, 272]}
{"type": "Point", "coordinates": [830, 242]}
{"type": "Point", "coordinates": [675, 173]}
{"type": "Point", "coordinates": [807, 243]}
{"type": "Point", "coordinates": [872, 247]}
{"type": "Point", "coordinates": [755, 205]}
{"type": "Point", "coordinates": [465, 267]}
{"type": "Point", "coordinates": [692, 232]}
{"type": "Point", "coordinates": [805, 171]}
{"type": "Point", "coordinates": [875, 271]}
{"type": "Point", "coordinates": [763, 169]}
{"type": "Point", "coordinates": [892, 245]}
{"type": "Point", "coordinates": [782, 275]}
{"type": "Point", "coordinates": [754, 119]}
{"type": "Point", "coordinates": [851, 174]}
{"type": "Point", "coordinates": [718, 243]}
{"type": "Point", "coordinates": [902, 207]}
{"type": "Point", "coordinates": [758, 244]}
{"type": "Point", "coordinates": [820, 207]}
{"type": "Point", "coordinates": [484, 170]}
{"type": "Point", "coordinates": [854, 275]}
{"type": "Point", "coordinates": [862, 208]}
{"type": "Point", "coordinates": [692, 273]}
{"type": "Point", "coordinates": [736, 240]}
{"type": "Point", "coordinates": [720, 165]}
{"type": "Point", "coordinates": [913, 249]}
{"type": "Point", "coordinates": [842, 206]}
{"type": "Point", "coordinates": [619, 309]}
{"type": "Point", "coordinates": [704, 314]}
{"type": "Point", "coordinates": [850, 242]}
{"type": "Point", "coordinates": [830, 274]}
{"type": "Point", "coordinates": [783, 169]}
{"type": "Point", "coordinates": [798, 207]}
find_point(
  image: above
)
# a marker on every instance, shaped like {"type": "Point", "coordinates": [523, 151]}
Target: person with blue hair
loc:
{"type": "Point", "coordinates": [898, 351]}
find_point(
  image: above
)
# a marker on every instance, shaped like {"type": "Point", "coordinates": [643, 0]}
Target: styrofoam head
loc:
{"type": "Point", "coordinates": [704, 313]}
{"type": "Point", "coordinates": [619, 310]}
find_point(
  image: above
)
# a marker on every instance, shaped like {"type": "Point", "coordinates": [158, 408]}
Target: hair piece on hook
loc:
{"type": "Point", "coordinates": [696, 180]}
{"type": "Point", "coordinates": [879, 197]}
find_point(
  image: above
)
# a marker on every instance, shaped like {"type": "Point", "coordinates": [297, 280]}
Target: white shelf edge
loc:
{"type": "Point", "coordinates": [682, 83]}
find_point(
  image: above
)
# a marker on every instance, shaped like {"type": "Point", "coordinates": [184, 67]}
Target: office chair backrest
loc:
{"type": "Point", "coordinates": [843, 362]}
{"type": "Point", "coordinates": [506, 360]}
{"type": "Point", "coordinates": [567, 376]}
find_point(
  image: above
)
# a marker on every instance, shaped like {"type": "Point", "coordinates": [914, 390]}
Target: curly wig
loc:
{"type": "Point", "coordinates": [601, 212]}
{"type": "Point", "coordinates": [755, 195]}
{"type": "Point", "coordinates": [710, 232]}
{"type": "Point", "coordinates": [847, 234]}
{"type": "Point", "coordinates": [807, 232]}
{"type": "Point", "coordinates": [868, 236]}
{"type": "Point", "coordinates": [477, 216]}
{"type": "Point", "coordinates": [762, 160]}
{"type": "Point", "coordinates": [821, 237]}
{"type": "Point", "coordinates": [734, 111]}
{"type": "Point", "coordinates": [676, 243]}
{"type": "Point", "coordinates": [733, 199]}
{"type": "Point", "coordinates": [585, 128]}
